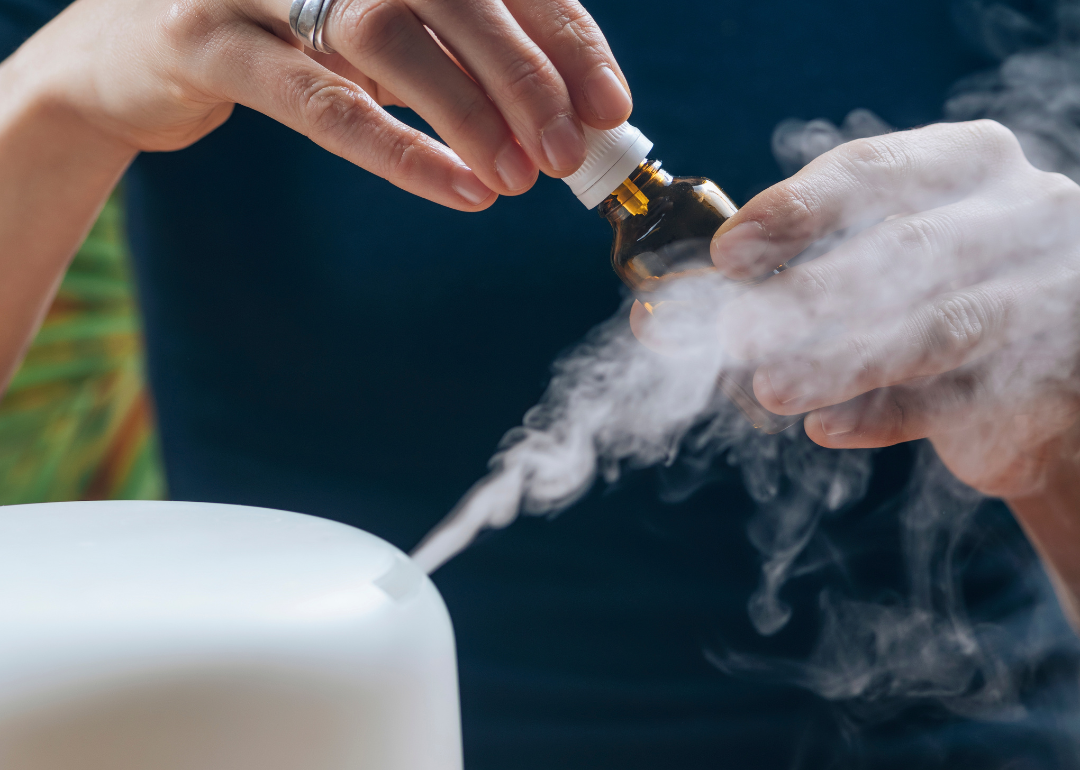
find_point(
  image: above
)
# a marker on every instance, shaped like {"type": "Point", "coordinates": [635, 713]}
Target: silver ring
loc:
{"type": "Point", "coordinates": [307, 19]}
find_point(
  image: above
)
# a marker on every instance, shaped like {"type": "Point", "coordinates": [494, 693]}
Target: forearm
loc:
{"type": "Point", "coordinates": [1051, 519]}
{"type": "Point", "coordinates": [55, 173]}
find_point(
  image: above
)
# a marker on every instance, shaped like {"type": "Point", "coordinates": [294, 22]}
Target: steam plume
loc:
{"type": "Point", "coordinates": [612, 404]}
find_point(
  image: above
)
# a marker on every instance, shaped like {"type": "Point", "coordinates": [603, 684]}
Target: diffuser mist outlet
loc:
{"type": "Point", "coordinates": [185, 636]}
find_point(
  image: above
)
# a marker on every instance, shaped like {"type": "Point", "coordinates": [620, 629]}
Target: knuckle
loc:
{"type": "Point", "coordinates": [884, 417]}
{"type": "Point", "coordinates": [471, 111]}
{"type": "Point", "coordinates": [1059, 189]}
{"type": "Point", "coordinates": [393, 153]}
{"type": "Point", "coordinates": [399, 154]}
{"type": "Point", "coordinates": [873, 159]}
{"type": "Point", "coordinates": [187, 24]}
{"type": "Point", "coordinates": [867, 361]}
{"type": "Point", "coordinates": [528, 76]}
{"type": "Point", "coordinates": [995, 149]}
{"type": "Point", "coordinates": [1052, 201]}
{"type": "Point", "coordinates": [331, 109]}
{"type": "Point", "coordinates": [895, 422]}
{"type": "Point", "coordinates": [573, 27]}
{"type": "Point", "coordinates": [958, 326]}
{"type": "Point", "coordinates": [197, 37]}
{"type": "Point", "coordinates": [404, 158]}
{"type": "Point", "coordinates": [798, 209]}
{"type": "Point", "coordinates": [889, 416]}
{"type": "Point", "coordinates": [916, 234]}
{"type": "Point", "coordinates": [991, 136]}
{"type": "Point", "coordinates": [898, 423]}
{"type": "Point", "coordinates": [369, 29]}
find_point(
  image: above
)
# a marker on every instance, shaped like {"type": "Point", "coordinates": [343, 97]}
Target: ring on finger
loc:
{"type": "Point", "coordinates": [307, 20]}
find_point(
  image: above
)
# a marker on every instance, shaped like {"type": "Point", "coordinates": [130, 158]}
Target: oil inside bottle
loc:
{"type": "Point", "coordinates": [663, 226]}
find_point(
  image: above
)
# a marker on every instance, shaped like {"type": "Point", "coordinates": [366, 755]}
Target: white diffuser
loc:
{"type": "Point", "coordinates": [185, 636]}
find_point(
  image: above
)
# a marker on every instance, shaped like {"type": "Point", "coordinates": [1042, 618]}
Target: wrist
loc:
{"type": "Point", "coordinates": [1050, 517]}
{"type": "Point", "coordinates": [37, 99]}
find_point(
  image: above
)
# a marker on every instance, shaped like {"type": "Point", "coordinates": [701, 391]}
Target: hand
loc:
{"type": "Point", "coordinates": [949, 311]}
{"type": "Point", "coordinates": [160, 74]}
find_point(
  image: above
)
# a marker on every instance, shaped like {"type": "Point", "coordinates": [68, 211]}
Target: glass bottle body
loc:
{"type": "Point", "coordinates": [663, 226]}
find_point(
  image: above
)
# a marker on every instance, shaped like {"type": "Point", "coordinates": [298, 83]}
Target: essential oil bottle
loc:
{"type": "Point", "coordinates": [662, 226]}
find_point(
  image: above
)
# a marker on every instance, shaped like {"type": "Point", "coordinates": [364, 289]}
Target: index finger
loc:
{"type": "Point", "coordinates": [281, 82]}
{"type": "Point", "coordinates": [859, 183]}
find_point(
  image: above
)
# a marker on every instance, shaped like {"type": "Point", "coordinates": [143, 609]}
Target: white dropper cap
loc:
{"type": "Point", "coordinates": [611, 157]}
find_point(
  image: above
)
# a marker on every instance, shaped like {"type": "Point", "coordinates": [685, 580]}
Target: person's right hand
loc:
{"type": "Point", "coordinates": [509, 100]}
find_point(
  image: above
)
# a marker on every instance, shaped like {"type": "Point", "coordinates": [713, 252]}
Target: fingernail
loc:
{"type": "Point", "coordinates": [606, 94]}
{"type": "Point", "coordinates": [563, 143]}
{"type": "Point", "coordinates": [837, 422]}
{"type": "Point", "coordinates": [514, 167]}
{"type": "Point", "coordinates": [741, 246]}
{"type": "Point", "coordinates": [790, 380]}
{"type": "Point", "coordinates": [465, 184]}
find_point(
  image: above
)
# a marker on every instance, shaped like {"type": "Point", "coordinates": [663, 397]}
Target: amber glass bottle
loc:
{"type": "Point", "coordinates": [662, 227]}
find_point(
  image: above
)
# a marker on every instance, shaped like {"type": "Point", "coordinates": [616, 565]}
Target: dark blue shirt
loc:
{"type": "Point", "coordinates": [320, 341]}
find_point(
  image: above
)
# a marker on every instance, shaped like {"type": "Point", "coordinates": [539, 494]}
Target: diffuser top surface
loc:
{"type": "Point", "coordinates": [94, 564]}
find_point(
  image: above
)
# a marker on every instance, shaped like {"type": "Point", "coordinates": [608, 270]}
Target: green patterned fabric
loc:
{"type": "Point", "coordinates": [76, 421]}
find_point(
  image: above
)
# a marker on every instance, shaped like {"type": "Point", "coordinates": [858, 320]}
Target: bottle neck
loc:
{"type": "Point", "coordinates": [631, 198]}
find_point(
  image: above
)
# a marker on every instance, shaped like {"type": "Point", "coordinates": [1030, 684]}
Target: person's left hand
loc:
{"type": "Point", "coordinates": [951, 313]}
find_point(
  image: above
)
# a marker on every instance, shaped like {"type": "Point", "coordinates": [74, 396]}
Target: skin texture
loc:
{"type": "Point", "coordinates": [159, 75]}
{"type": "Point", "coordinates": [507, 84]}
{"type": "Point", "coordinates": [943, 304]}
